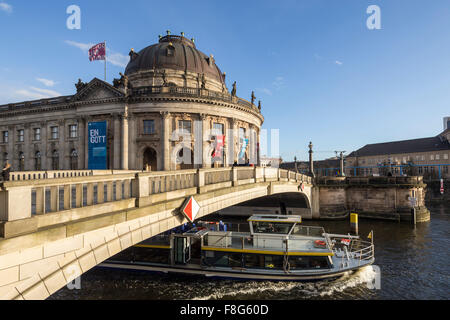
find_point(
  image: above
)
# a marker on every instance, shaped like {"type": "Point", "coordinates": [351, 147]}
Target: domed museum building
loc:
{"type": "Point", "coordinates": [169, 110]}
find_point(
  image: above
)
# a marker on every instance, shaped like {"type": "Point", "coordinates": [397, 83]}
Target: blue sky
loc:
{"type": "Point", "coordinates": [321, 74]}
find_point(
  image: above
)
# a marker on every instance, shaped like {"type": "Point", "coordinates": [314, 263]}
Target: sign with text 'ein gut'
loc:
{"type": "Point", "coordinates": [97, 135]}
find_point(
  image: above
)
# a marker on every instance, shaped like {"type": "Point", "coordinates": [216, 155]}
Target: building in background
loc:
{"type": "Point", "coordinates": [428, 157]}
{"type": "Point", "coordinates": [169, 87]}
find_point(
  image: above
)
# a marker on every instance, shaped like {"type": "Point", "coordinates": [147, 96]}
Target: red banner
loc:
{"type": "Point", "coordinates": [220, 142]}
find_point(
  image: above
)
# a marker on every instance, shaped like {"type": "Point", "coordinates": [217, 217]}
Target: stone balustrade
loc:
{"type": "Point", "coordinates": [67, 195]}
{"type": "Point", "coordinates": [351, 181]}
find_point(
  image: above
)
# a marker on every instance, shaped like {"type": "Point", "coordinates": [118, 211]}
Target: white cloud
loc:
{"type": "Point", "coordinates": [278, 83]}
{"type": "Point", "coordinates": [112, 57]}
{"type": "Point", "coordinates": [339, 63]}
{"type": "Point", "coordinates": [49, 93]}
{"type": "Point", "coordinates": [46, 82]}
{"type": "Point", "coordinates": [82, 46]}
{"type": "Point", "coordinates": [265, 90]}
{"type": "Point", "coordinates": [33, 93]}
{"type": "Point", "coordinates": [6, 7]}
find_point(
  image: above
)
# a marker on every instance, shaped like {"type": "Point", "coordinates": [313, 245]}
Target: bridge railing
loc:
{"type": "Point", "coordinates": [86, 193]}
{"type": "Point", "coordinates": [25, 198]}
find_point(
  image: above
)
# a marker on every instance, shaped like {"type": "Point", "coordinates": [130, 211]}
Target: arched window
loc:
{"type": "Point", "coordinates": [5, 157]}
{"type": "Point", "coordinates": [74, 160]}
{"type": "Point", "coordinates": [37, 161]}
{"type": "Point", "coordinates": [21, 161]}
{"type": "Point", "coordinates": [55, 160]}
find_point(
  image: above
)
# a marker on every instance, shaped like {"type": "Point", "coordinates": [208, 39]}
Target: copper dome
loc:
{"type": "Point", "coordinates": [174, 52]}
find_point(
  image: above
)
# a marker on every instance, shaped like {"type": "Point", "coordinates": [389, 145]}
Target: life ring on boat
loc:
{"type": "Point", "coordinates": [320, 244]}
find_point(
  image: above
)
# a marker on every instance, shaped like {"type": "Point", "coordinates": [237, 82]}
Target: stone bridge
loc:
{"type": "Point", "coordinates": [55, 226]}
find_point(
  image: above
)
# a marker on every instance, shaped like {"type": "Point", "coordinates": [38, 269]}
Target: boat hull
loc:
{"type": "Point", "coordinates": [231, 274]}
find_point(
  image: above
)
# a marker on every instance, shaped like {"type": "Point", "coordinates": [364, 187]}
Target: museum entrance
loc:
{"type": "Point", "coordinates": [150, 159]}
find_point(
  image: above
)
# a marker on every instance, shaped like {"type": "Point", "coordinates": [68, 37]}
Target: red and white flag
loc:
{"type": "Point", "coordinates": [97, 52]}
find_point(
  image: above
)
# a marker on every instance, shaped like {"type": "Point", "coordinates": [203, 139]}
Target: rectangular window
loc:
{"type": "Point", "coordinates": [438, 157]}
{"type": "Point", "coordinates": [37, 134]}
{"type": "Point", "coordinates": [445, 169]}
{"type": "Point", "coordinates": [432, 157]}
{"type": "Point", "coordinates": [5, 136]}
{"type": "Point", "coordinates": [420, 170]}
{"type": "Point", "coordinates": [20, 135]}
{"type": "Point", "coordinates": [185, 126]}
{"type": "Point", "coordinates": [55, 132]}
{"type": "Point", "coordinates": [149, 126]}
{"type": "Point", "coordinates": [445, 156]}
{"type": "Point", "coordinates": [73, 131]}
{"type": "Point", "coordinates": [423, 158]}
{"type": "Point", "coordinates": [218, 129]}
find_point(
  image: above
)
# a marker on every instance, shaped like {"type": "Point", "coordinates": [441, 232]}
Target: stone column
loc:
{"type": "Point", "coordinates": [132, 142]}
{"type": "Point", "coordinates": [125, 139]}
{"type": "Point", "coordinates": [117, 138]}
{"type": "Point", "coordinates": [11, 137]}
{"type": "Point", "coordinates": [252, 140]}
{"type": "Point", "coordinates": [165, 119]}
{"type": "Point", "coordinates": [27, 148]}
{"type": "Point", "coordinates": [231, 141]}
{"type": "Point", "coordinates": [43, 149]}
{"type": "Point", "coordinates": [62, 145]}
{"type": "Point", "coordinates": [82, 139]}
{"type": "Point", "coordinates": [206, 161]}
{"type": "Point", "coordinates": [86, 121]}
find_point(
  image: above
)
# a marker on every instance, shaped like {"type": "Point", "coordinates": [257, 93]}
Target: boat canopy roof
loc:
{"type": "Point", "coordinates": [275, 218]}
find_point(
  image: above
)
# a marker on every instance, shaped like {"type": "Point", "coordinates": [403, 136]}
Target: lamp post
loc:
{"type": "Point", "coordinates": [311, 164]}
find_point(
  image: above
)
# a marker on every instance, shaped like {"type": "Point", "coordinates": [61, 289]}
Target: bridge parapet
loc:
{"type": "Point", "coordinates": [60, 197]}
{"type": "Point", "coordinates": [350, 181]}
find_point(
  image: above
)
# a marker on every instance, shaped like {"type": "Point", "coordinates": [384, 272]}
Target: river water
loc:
{"type": "Point", "coordinates": [414, 263]}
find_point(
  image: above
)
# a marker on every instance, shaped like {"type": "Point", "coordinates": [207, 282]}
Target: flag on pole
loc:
{"type": "Point", "coordinates": [370, 236]}
{"type": "Point", "coordinates": [98, 52]}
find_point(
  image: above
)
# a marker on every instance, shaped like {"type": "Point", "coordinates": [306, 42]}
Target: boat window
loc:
{"type": "Point", "coordinates": [254, 261]}
{"type": "Point", "coordinates": [308, 231]}
{"type": "Point", "coordinates": [273, 262]}
{"type": "Point", "coordinates": [222, 259]}
{"type": "Point", "coordinates": [235, 260]}
{"type": "Point", "coordinates": [271, 227]}
{"type": "Point", "coordinates": [308, 262]}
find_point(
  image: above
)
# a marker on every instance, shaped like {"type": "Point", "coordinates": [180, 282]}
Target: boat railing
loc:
{"type": "Point", "coordinates": [360, 250]}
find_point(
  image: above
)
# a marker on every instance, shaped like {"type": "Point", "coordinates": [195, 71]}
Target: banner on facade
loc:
{"type": "Point", "coordinates": [97, 132]}
{"type": "Point", "coordinates": [243, 149]}
{"type": "Point", "coordinates": [220, 142]}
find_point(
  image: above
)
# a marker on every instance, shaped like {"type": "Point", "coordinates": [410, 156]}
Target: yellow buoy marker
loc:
{"type": "Point", "coordinates": [354, 223]}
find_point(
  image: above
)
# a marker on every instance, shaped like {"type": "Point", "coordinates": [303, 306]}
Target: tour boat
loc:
{"type": "Point", "coordinates": [277, 247]}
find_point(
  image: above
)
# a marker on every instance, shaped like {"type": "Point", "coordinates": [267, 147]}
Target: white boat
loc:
{"type": "Point", "coordinates": [277, 247]}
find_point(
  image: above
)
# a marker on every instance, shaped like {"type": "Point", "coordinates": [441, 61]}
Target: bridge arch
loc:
{"type": "Point", "coordinates": [68, 257]}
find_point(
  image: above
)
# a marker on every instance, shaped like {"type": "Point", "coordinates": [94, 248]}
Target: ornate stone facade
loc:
{"type": "Point", "coordinates": [166, 112]}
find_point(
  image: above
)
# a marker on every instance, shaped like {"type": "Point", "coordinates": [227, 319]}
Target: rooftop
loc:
{"type": "Point", "coordinates": [406, 146]}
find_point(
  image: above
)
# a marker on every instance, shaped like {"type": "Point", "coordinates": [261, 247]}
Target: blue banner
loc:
{"type": "Point", "coordinates": [97, 145]}
{"type": "Point", "coordinates": [243, 149]}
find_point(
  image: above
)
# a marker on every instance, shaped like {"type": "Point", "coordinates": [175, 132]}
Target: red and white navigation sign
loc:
{"type": "Point", "coordinates": [442, 186]}
{"type": "Point", "coordinates": [191, 209]}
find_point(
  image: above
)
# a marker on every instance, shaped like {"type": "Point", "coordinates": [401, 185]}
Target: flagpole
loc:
{"type": "Point", "coordinates": [105, 60]}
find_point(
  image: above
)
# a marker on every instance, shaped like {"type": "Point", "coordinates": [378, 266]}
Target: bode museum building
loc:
{"type": "Point", "coordinates": [170, 110]}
